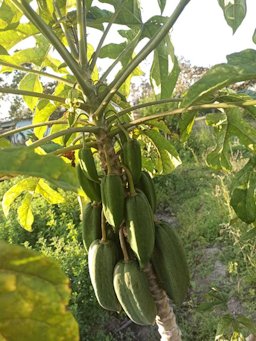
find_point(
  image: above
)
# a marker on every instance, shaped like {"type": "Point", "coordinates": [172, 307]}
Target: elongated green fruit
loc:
{"type": "Point", "coordinates": [87, 164]}
{"type": "Point", "coordinates": [170, 263]}
{"type": "Point", "coordinates": [112, 192]}
{"type": "Point", "coordinates": [132, 158]}
{"type": "Point", "coordinates": [91, 224]}
{"type": "Point", "coordinates": [146, 185]}
{"type": "Point", "coordinates": [132, 291]}
{"type": "Point", "coordinates": [140, 227]}
{"type": "Point", "coordinates": [102, 258]}
{"type": "Point", "coordinates": [91, 188]}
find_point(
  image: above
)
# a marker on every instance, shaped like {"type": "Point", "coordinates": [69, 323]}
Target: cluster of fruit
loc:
{"type": "Point", "coordinates": [122, 237]}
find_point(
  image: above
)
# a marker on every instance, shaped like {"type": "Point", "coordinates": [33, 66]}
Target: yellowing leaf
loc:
{"type": "Point", "coordinates": [52, 196]}
{"type": "Point", "coordinates": [25, 214]}
{"type": "Point", "coordinates": [34, 297]}
{"type": "Point", "coordinates": [15, 191]}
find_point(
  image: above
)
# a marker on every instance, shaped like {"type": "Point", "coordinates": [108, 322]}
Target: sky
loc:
{"type": "Point", "coordinates": [201, 34]}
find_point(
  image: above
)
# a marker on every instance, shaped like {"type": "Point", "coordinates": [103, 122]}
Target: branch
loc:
{"type": "Point", "coordinates": [33, 94]}
{"type": "Point", "coordinates": [118, 81]}
{"type": "Point", "coordinates": [104, 35]}
{"type": "Point", "coordinates": [144, 105]}
{"type": "Point", "coordinates": [64, 132]}
{"type": "Point", "coordinates": [118, 59]}
{"type": "Point", "coordinates": [64, 28]}
{"type": "Point", "coordinates": [31, 126]}
{"type": "Point", "coordinates": [81, 29]}
{"type": "Point", "coordinates": [24, 7]}
{"type": "Point", "coordinates": [192, 108]}
{"type": "Point", "coordinates": [41, 73]}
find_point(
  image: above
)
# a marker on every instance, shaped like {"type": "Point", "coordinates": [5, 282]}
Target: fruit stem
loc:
{"type": "Point", "coordinates": [130, 181]}
{"type": "Point", "coordinates": [103, 228]}
{"type": "Point", "coordinates": [123, 245]}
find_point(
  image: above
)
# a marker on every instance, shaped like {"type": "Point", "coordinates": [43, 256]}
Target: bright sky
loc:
{"type": "Point", "coordinates": [201, 34]}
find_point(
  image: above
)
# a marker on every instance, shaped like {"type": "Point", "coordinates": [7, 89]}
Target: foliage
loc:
{"type": "Point", "coordinates": [40, 292]}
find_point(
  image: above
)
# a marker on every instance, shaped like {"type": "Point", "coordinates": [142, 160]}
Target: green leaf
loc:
{"type": "Point", "coordinates": [165, 67]}
{"type": "Point", "coordinates": [42, 113]}
{"type": "Point", "coordinates": [9, 15]}
{"type": "Point", "coordinates": [23, 161]}
{"type": "Point", "coordinates": [227, 125]}
{"type": "Point", "coordinates": [241, 66]}
{"type": "Point", "coordinates": [34, 297]}
{"type": "Point", "coordinates": [248, 323]}
{"type": "Point", "coordinates": [15, 191]}
{"type": "Point", "coordinates": [234, 12]}
{"type": "Point", "coordinates": [161, 4]}
{"type": "Point", "coordinates": [169, 157]}
{"type": "Point", "coordinates": [254, 36]}
{"type": "Point", "coordinates": [243, 196]}
{"type": "Point", "coordinates": [10, 37]}
{"type": "Point", "coordinates": [4, 143]}
{"type": "Point", "coordinates": [130, 13]}
{"type": "Point", "coordinates": [52, 196]}
{"type": "Point", "coordinates": [25, 215]}
{"type": "Point", "coordinates": [186, 124]}
{"type": "Point", "coordinates": [31, 83]}
{"type": "Point", "coordinates": [223, 327]}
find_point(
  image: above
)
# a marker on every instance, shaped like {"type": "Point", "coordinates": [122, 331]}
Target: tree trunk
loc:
{"type": "Point", "coordinates": [251, 338]}
{"type": "Point", "coordinates": [165, 319]}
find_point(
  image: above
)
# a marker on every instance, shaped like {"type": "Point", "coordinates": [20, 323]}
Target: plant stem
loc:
{"type": "Point", "coordinates": [70, 148]}
{"type": "Point", "coordinates": [33, 94]}
{"type": "Point", "coordinates": [24, 7]}
{"type": "Point", "coordinates": [165, 319]}
{"type": "Point", "coordinates": [130, 181]}
{"type": "Point", "coordinates": [103, 227]}
{"type": "Point", "coordinates": [81, 30]}
{"type": "Point", "coordinates": [31, 126]}
{"type": "Point", "coordinates": [104, 35]}
{"type": "Point", "coordinates": [118, 81]}
{"type": "Point", "coordinates": [63, 132]}
{"type": "Point", "coordinates": [123, 245]}
{"type": "Point", "coordinates": [144, 105]}
{"type": "Point", "coordinates": [118, 59]}
{"type": "Point", "coordinates": [192, 108]}
{"type": "Point", "coordinates": [64, 28]}
{"type": "Point", "coordinates": [36, 72]}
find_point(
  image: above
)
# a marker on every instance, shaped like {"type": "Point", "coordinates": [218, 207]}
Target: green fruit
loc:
{"type": "Point", "coordinates": [132, 158]}
{"type": "Point", "coordinates": [91, 224]}
{"type": "Point", "coordinates": [102, 258]}
{"type": "Point", "coordinates": [146, 185]}
{"type": "Point", "coordinates": [87, 164]}
{"type": "Point", "coordinates": [90, 188]}
{"type": "Point", "coordinates": [131, 287]}
{"type": "Point", "coordinates": [170, 263]}
{"type": "Point", "coordinates": [140, 227]}
{"type": "Point", "coordinates": [112, 192]}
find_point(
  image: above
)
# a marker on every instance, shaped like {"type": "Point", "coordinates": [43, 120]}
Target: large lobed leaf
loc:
{"type": "Point", "coordinates": [243, 196]}
{"type": "Point", "coordinates": [31, 186]}
{"type": "Point", "coordinates": [23, 161]}
{"type": "Point", "coordinates": [227, 125]}
{"type": "Point", "coordinates": [168, 156]}
{"type": "Point", "coordinates": [241, 66]}
{"type": "Point", "coordinates": [34, 297]}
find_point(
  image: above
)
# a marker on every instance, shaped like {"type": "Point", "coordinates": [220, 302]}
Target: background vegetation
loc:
{"type": "Point", "coordinates": [220, 250]}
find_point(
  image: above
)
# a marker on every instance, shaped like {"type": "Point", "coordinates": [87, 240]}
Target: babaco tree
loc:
{"type": "Point", "coordinates": [105, 153]}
